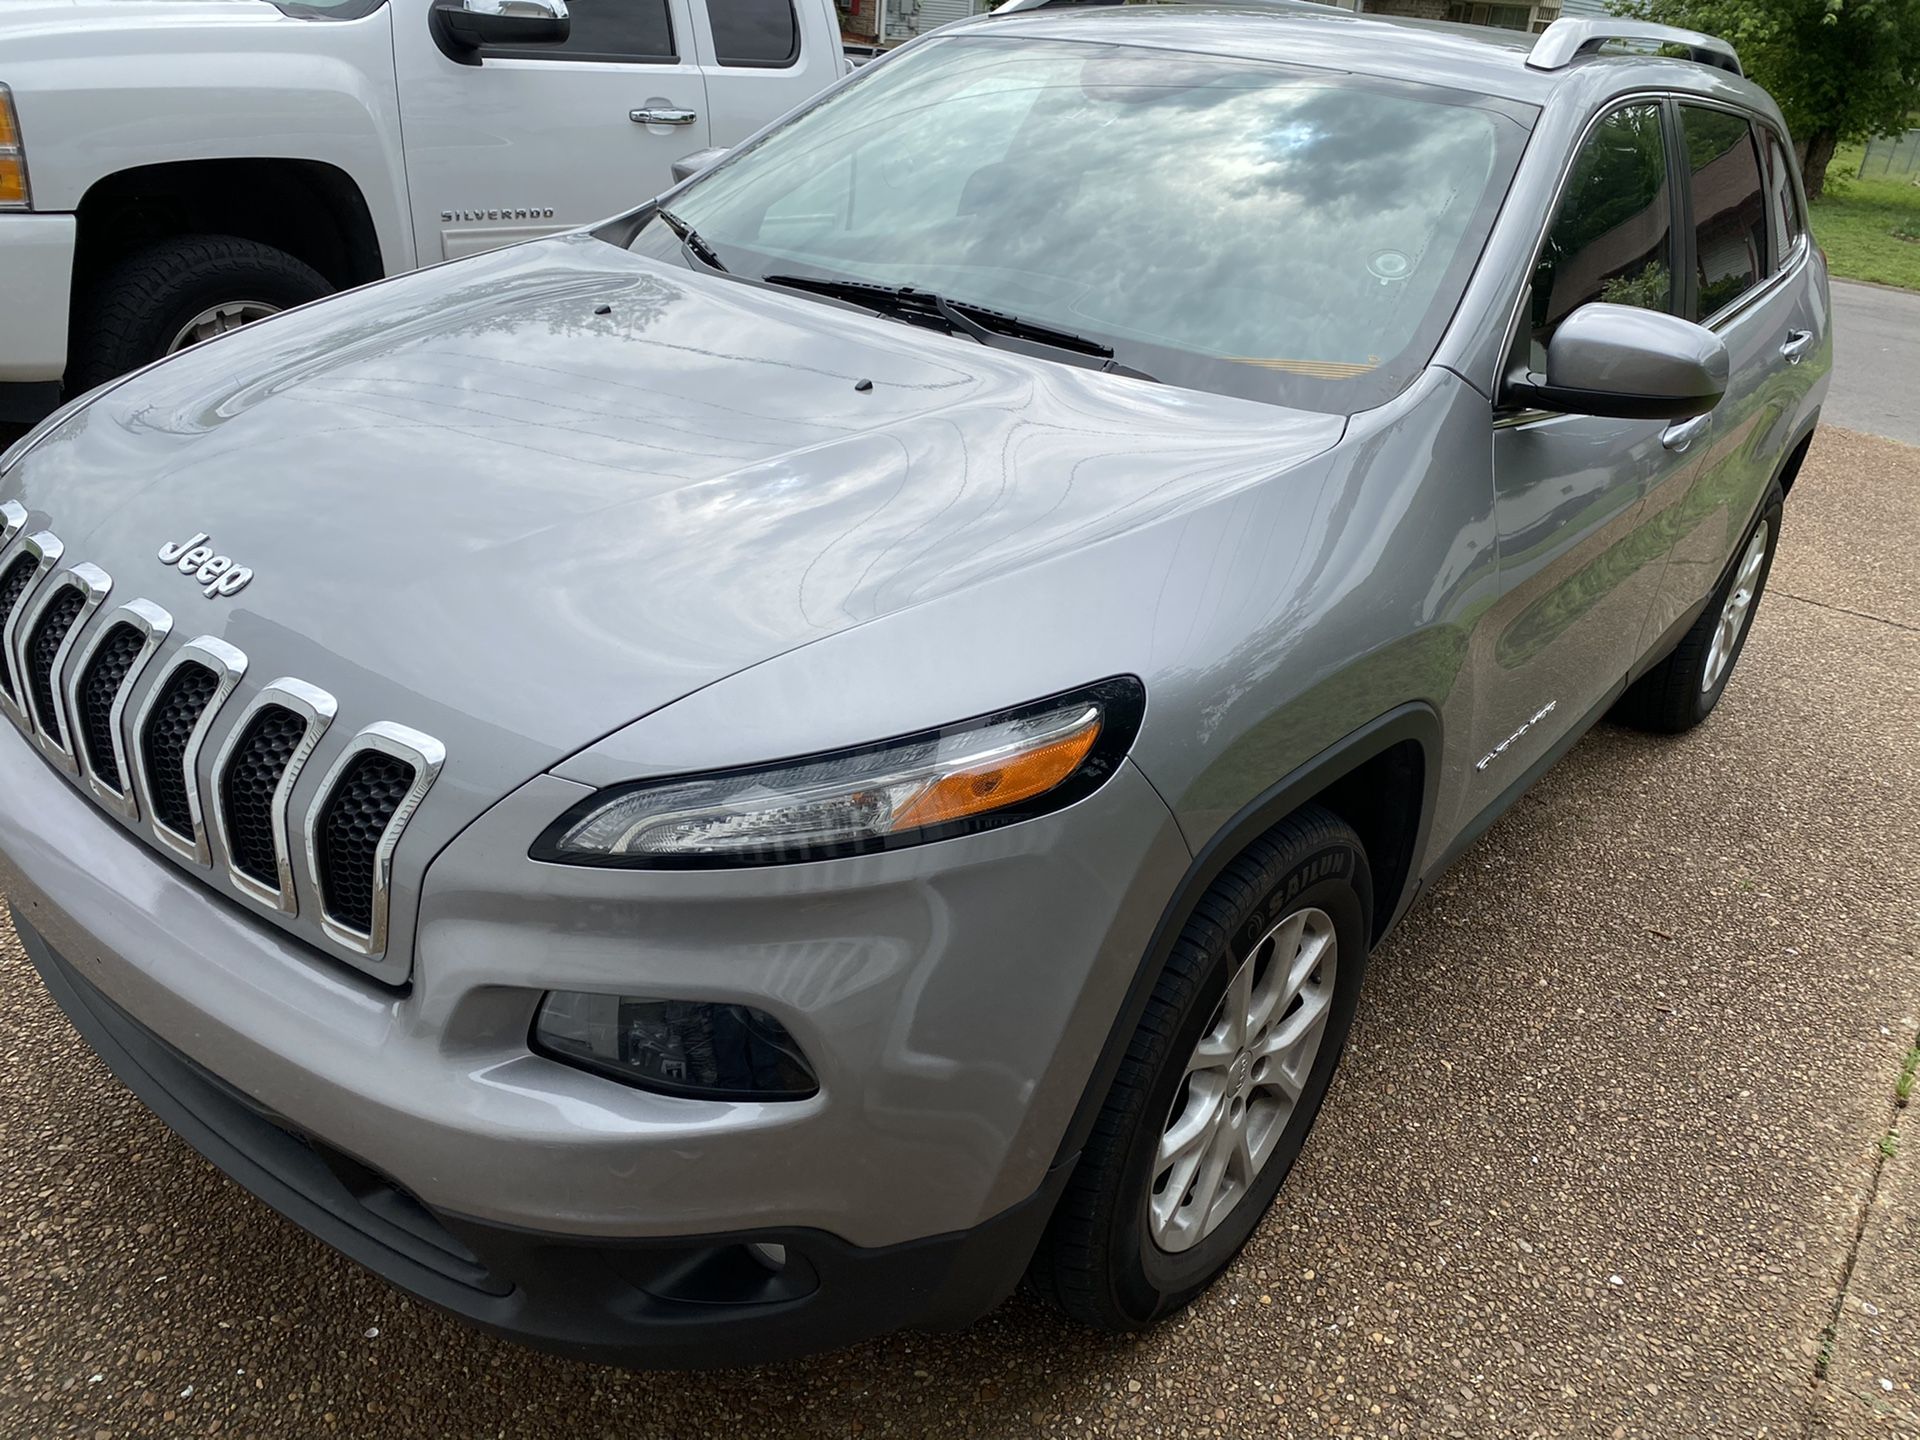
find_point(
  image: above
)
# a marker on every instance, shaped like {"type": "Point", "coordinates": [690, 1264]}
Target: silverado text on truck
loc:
{"type": "Point", "coordinates": [171, 169]}
{"type": "Point", "coordinates": [716, 785]}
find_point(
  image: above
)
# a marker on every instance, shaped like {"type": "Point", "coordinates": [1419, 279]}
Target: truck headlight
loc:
{"type": "Point", "coordinates": [15, 194]}
{"type": "Point", "coordinates": [974, 775]}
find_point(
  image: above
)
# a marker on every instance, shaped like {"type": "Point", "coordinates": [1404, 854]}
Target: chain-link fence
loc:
{"type": "Point", "coordinates": [1892, 155]}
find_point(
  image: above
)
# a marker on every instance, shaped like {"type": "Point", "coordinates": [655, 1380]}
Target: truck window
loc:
{"type": "Point", "coordinates": [631, 32]}
{"type": "Point", "coordinates": [1729, 211]}
{"type": "Point", "coordinates": [762, 33]}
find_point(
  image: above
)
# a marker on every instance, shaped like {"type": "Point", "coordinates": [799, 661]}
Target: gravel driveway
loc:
{"type": "Point", "coordinates": [1607, 1150]}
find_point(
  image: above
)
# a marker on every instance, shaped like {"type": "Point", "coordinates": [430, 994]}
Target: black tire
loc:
{"type": "Point", "coordinates": [1674, 696]}
{"type": "Point", "coordinates": [130, 314]}
{"type": "Point", "coordinates": [1098, 1260]}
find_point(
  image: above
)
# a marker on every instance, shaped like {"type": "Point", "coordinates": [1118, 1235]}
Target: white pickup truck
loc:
{"type": "Point", "coordinates": [172, 168]}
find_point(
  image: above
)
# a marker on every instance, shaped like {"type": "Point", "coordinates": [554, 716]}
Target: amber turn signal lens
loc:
{"type": "Point", "coordinates": [13, 164]}
{"type": "Point", "coordinates": [1000, 783]}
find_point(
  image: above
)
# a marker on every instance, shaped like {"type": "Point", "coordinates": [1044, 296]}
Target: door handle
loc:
{"type": "Point", "coordinates": [1799, 342]}
{"type": "Point", "coordinates": [1679, 436]}
{"type": "Point", "coordinates": [662, 117]}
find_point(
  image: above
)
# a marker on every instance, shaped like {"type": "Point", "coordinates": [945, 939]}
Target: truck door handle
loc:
{"type": "Point", "coordinates": [662, 117]}
{"type": "Point", "coordinates": [1799, 342]}
{"type": "Point", "coordinates": [1678, 437]}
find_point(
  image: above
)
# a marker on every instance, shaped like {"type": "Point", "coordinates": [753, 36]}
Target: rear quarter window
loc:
{"type": "Point", "coordinates": [755, 33]}
{"type": "Point", "coordinates": [1729, 207]}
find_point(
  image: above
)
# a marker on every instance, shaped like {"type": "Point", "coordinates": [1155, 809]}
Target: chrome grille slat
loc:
{"type": "Point", "coordinates": [49, 634]}
{"type": "Point", "coordinates": [357, 925]}
{"type": "Point", "coordinates": [99, 682]}
{"type": "Point", "coordinates": [25, 567]}
{"type": "Point", "coordinates": [254, 776]}
{"type": "Point", "coordinates": [178, 819]}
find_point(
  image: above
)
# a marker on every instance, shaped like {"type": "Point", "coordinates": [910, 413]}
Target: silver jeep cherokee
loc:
{"type": "Point", "coordinates": [704, 789]}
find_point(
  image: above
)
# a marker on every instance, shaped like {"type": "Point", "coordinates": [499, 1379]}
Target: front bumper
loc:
{"type": "Point", "coordinates": [36, 276]}
{"type": "Point", "coordinates": [689, 1302]}
{"type": "Point", "coordinates": [953, 999]}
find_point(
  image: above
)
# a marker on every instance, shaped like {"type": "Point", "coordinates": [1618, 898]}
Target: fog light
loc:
{"type": "Point", "coordinates": [678, 1047]}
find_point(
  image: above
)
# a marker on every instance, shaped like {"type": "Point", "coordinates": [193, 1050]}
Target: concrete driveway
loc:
{"type": "Point", "coordinates": [1608, 1156]}
{"type": "Point", "coordinates": [1876, 361]}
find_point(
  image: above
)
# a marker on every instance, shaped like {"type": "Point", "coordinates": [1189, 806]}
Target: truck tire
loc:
{"type": "Point", "coordinates": [141, 307]}
{"type": "Point", "coordinates": [1681, 691]}
{"type": "Point", "coordinates": [1140, 1231]}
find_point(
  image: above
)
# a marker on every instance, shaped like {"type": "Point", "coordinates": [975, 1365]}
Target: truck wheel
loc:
{"type": "Point", "coordinates": [176, 293]}
{"type": "Point", "coordinates": [1681, 691]}
{"type": "Point", "coordinates": [1221, 1081]}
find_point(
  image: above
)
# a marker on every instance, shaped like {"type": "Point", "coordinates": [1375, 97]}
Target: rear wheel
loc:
{"type": "Point", "coordinates": [174, 294]}
{"type": "Point", "coordinates": [1681, 691]}
{"type": "Point", "coordinates": [1221, 1082]}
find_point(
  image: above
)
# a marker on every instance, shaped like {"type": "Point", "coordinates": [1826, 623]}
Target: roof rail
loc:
{"type": "Point", "coordinates": [1305, 7]}
{"type": "Point", "coordinates": [1566, 40]}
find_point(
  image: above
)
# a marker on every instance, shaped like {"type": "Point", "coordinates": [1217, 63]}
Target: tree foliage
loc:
{"type": "Point", "coordinates": [1842, 70]}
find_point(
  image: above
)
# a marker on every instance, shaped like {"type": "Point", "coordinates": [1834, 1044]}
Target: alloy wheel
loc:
{"type": "Point", "coordinates": [218, 320]}
{"type": "Point", "coordinates": [1243, 1080]}
{"type": "Point", "coordinates": [1737, 611]}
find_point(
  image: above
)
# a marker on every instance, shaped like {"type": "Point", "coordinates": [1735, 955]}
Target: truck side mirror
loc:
{"type": "Point", "coordinates": [466, 25]}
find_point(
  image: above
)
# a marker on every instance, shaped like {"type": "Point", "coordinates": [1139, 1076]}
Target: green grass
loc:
{"type": "Point", "coordinates": [1861, 223]}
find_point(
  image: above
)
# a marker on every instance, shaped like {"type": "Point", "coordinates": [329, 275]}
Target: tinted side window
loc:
{"type": "Point", "coordinates": [1729, 209]}
{"type": "Point", "coordinates": [620, 30]}
{"type": "Point", "coordinates": [754, 32]}
{"type": "Point", "coordinates": [1783, 201]}
{"type": "Point", "coordinates": [1611, 238]}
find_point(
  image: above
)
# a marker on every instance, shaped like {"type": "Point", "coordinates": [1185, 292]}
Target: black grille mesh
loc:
{"type": "Point", "coordinates": [358, 812]}
{"type": "Point", "coordinates": [12, 585]}
{"type": "Point", "coordinates": [105, 674]}
{"type": "Point", "coordinates": [42, 646]}
{"type": "Point", "coordinates": [246, 791]}
{"type": "Point", "coordinates": [163, 743]}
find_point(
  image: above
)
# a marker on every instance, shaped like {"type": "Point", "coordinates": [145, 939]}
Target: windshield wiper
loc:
{"type": "Point", "coordinates": [976, 321]}
{"type": "Point", "coordinates": [690, 237]}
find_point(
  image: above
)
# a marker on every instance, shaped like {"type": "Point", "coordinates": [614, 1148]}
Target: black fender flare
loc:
{"type": "Point", "coordinates": [1416, 721]}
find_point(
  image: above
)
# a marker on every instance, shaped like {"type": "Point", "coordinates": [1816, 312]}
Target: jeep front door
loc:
{"type": "Point", "coordinates": [1577, 568]}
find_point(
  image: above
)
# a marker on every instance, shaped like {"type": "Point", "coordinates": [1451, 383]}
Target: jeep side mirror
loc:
{"type": "Point", "coordinates": [465, 25]}
{"type": "Point", "coordinates": [688, 166]}
{"type": "Point", "coordinates": [1633, 364]}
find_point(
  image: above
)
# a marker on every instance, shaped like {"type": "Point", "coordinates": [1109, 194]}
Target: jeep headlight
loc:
{"type": "Point", "coordinates": [15, 194]}
{"type": "Point", "coordinates": [974, 775]}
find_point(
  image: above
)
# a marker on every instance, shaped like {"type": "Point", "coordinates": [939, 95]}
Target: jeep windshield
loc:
{"type": "Point", "coordinates": [1283, 234]}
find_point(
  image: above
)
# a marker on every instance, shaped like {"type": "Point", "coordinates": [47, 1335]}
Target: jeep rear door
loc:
{"type": "Point", "coordinates": [505, 145]}
{"type": "Point", "coordinates": [1749, 280]}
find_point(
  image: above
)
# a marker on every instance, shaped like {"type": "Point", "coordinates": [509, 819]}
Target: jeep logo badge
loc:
{"type": "Point", "coordinates": [217, 573]}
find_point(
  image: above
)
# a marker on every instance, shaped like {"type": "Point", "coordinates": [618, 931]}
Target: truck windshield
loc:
{"type": "Point", "coordinates": [1267, 231]}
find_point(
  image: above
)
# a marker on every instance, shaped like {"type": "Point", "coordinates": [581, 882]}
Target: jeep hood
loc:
{"type": "Point", "coordinates": [520, 501]}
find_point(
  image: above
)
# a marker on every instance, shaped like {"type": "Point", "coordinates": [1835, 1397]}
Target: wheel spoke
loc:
{"type": "Point", "coordinates": [1188, 1135]}
{"type": "Point", "coordinates": [1303, 1023]}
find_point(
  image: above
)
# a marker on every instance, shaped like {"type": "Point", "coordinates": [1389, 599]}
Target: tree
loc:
{"type": "Point", "coordinates": [1842, 70]}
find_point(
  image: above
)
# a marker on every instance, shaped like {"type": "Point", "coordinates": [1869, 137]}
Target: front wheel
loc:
{"type": "Point", "coordinates": [1221, 1082]}
{"type": "Point", "coordinates": [176, 293]}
